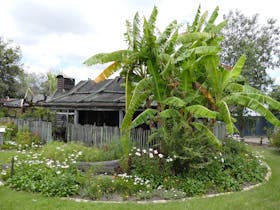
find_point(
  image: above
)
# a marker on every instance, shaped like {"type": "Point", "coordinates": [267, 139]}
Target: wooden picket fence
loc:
{"type": "Point", "coordinates": [92, 135]}
{"type": "Point", "coordinates": [38, 127]}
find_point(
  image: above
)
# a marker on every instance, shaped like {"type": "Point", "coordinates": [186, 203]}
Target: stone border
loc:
{"type": "Point", "coordinates": [267, 177]}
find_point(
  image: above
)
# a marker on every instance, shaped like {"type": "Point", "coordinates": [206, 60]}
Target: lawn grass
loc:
{"type": "Point", "coordinates": [266, 197]}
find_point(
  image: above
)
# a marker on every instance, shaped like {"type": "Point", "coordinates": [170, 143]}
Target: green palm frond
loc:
{"type": "Point", "coordinates": [199, 111]}
{"type": "Point", "coordinates": [253, 104]}
{"type": "Point", "coordinates": [143, 117]}
{"type": "Point", "coordinates": [207, 132]}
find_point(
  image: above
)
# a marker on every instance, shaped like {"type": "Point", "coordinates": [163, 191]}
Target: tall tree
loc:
{"type": "Point", "coordinates": [260, 44]}
{"type": "Point", "coordinates": [10, 69]}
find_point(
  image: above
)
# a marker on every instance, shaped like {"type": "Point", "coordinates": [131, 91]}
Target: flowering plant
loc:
{"type": "Point", "coordinates": [35, 173]}
{"type": "Point", "coordinates": [150, 164]}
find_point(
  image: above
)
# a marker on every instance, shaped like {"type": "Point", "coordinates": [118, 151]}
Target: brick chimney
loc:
{"type": "Point", "coordinates": [64, 84]}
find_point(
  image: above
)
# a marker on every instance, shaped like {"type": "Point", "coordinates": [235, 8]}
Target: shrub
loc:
{"type": "Point", "coordinates": [275, 138]}
{"type": "Point", "coordinates": [25, 139]}
{"type": "Point", "coordinates": [150, 164]}
{"type": "Point", "coordinates": [49, 177]}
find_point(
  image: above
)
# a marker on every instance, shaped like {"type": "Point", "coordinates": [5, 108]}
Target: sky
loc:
{"type": "Point", "coordinates": [59, 35]}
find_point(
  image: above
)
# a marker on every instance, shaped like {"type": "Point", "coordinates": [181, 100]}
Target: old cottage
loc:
{"type": "Point", "coordinates": [88, 102]}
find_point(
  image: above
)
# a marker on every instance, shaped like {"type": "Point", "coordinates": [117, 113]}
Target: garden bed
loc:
{"type": "Point", "coordinates": [149, 175]}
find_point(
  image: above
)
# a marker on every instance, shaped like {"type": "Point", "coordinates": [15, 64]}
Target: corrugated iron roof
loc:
{"type": "Point", "coordinates": [109, 92]}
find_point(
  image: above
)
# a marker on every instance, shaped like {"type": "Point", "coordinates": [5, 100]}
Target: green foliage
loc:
{"type": "Point", "coordinates": [49, 177]}
{"type": "Point", "coordinates": [10, 131]}
{"type": "Point", "coordinates": [21, 140]}
{"type": "Point", "coordinates": [106, 187]}
{"type": "Point", "coordinates": [244, 35]}
{"type": "Point", "coordinates": [10, 69]}
{"type": "Point", "coordinates": [275, 138]}
{"type": "Point", "coordinates": [25, 139]}
{"type": "Point", "coordinates": [150, 164]}
{"type": "Point", "coordinates": [39, 113]}
{"type": "Point", "coordinates": [60, 150]}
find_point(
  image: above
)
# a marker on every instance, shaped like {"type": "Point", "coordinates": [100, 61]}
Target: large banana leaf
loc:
{"type": "Point", "coordinates": [253, 104]}
{"type": "Point", "coordinates": [136, 33]}
{"type": "Point", "coordinates": [196, 19]}
{"type": "Point", "coordinates": [170, 113]}
{"type": "Point", "coordinates": [100, 58]}
{"type": "Point", "coordinates": [201, 21]}
{"type": "Point", "coordinates": [212, 19]}
{"type": "Point", "coordinates": [237, 89]}
{"type": "Point", "coordinates": [165, 35]}
{"type": "Point", "coordinates": [156, 81]}
{"type": "Point", "coordinates": [199, 111]}
{"type": "Point", "coordinates": [207, 132]}
{"type": "Point", "coordinates": [273, 104]}
{"type": "Point", "coordinates": [226, 116]}
{"type": "Point", "coordinates": [206, 50]}
{"type": "Point", "coordinates": [174, 101]}
{"type": "Point", "coordinates": [235, 72]}
{"type": "Point", "coordinates": [107, 72]}
{"type": "Point", "coordinates": [218, 28]}
{"type": "Point", "coordinates": [143, 117]}
{"type": "Point", "coordinates": [140, 94]}
{"type": "Point", "coordinates": [191, 37]}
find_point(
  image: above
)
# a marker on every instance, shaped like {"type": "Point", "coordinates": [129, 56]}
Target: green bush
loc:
{"type": "Point", "coordinates": [150, 164]}
{"type": "Point", "coordinates": [25, 139]}
{"type": "Point", "coordinates": [49, 177]}
{"type": "Point", "coordinates": [10, 132]}
{"type": "Point", "coordinates": [39, 113]}
{"type": "Point", "coordinates": [275, 138]}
